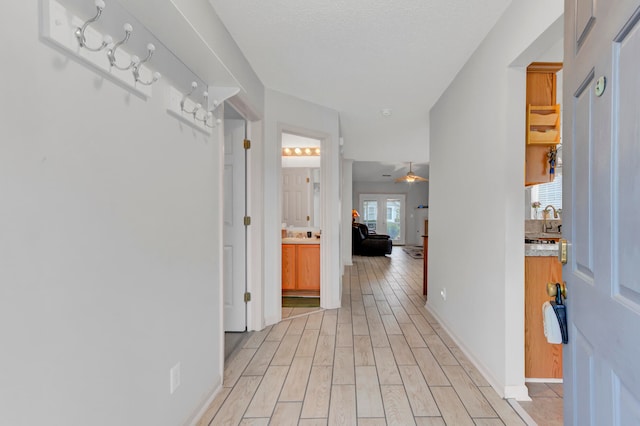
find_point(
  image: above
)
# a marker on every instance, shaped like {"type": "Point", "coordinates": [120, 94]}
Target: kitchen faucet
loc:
{"type": "Point", "coordinates": [555, 216]}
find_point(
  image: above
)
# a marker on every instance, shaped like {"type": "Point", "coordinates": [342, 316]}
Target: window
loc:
{"type": "Point", "coordinates": [547, 193]}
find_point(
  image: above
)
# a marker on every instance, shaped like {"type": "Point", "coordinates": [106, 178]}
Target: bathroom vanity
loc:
{"type": "Point", "coordinates": [301, 264]}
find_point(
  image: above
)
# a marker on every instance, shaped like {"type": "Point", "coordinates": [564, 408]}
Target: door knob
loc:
{"type": "Point", "coordinates": [552, 289]}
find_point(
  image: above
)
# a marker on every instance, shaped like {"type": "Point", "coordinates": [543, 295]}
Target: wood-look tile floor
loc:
{"type": "Point", "coordinates": [546, 403]}
{"type": "Point", "coordinates": [381, 359]}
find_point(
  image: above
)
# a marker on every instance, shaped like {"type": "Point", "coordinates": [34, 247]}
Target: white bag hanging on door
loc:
{"type": "Point", "coordinates": [551, 326]}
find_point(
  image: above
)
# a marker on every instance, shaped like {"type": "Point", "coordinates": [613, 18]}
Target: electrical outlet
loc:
{"type": "Point", "coordinates": [174, 378]}
{"type": "Point", "coordinates": [443, 293]}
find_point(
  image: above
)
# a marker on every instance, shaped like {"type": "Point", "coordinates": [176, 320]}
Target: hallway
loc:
{"type": "Point", "coordinates": [380, 359]}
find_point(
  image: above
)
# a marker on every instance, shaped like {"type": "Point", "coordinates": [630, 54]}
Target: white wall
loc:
{"type": "Point", "coordinates": [477, 154]}
{"type": "Point", "coordinates": [110, 249]}
{"type": "Point", "coordinates": [292, 115]}
{"type": "Point", "coordinates": [412, 143]}
{"type": "Point", "coordinates": [416, 194]}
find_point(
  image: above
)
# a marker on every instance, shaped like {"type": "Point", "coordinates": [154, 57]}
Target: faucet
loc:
{"type": "Point", "coordinates": [546, 228]}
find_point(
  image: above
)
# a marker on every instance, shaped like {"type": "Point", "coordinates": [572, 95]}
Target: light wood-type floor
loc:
{"type": "Point", "coordinates": [380, 359]}
{"type": "Point", "coordinates": [546, 403]}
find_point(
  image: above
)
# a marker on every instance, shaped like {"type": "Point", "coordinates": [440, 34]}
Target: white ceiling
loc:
{"type": "Point", "coordinates": [361, 56]}
{"type": "Point", "coordinates": [374, 171]}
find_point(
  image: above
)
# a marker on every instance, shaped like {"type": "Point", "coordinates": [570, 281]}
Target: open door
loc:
{"type": "Point", "coordinates": [601, 208]}
{"type": "Point", "coordinates": [235, 247]}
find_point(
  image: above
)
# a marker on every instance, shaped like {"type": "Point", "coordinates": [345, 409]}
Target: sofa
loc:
{"type": "Point", "coordinates": [365, 243]}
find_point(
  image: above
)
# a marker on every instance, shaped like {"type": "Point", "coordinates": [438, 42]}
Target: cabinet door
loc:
{"type": "Point", "coordinates": [288, 267]}
{"type": "Point", "coordinates": [543, 360]}
{"type": "Point", "coordinates": [308, 267]}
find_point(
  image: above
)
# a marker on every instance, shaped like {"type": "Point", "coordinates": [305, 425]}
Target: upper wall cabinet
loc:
{"type": "Point", "coordinates": [542, 132]}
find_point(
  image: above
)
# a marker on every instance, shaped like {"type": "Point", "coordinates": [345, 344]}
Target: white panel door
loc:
{"type": "Point", "coordinates": [296, 196]}
{"type": "Point", "coordinates": [602, 207]}
{"type": "Point", "coordinates": [384, 214]}
{"type": "Point", "coordinates": [234, 251]}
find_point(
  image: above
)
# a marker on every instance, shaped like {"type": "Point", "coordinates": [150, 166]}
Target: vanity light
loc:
{"type": "Point", "coordinates": [310, 151]}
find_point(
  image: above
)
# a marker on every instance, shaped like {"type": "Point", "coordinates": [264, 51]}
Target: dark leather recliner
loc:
{"type": "Point", "coordinates": [366, 244]}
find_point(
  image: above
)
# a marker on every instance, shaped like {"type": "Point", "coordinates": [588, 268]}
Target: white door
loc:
{"type": "Point", "coordinates": [296, 196]}
{"type": "Point", "coordinates": [234, 252]}
{"type": "Point", "coordinates": [602, 207]}
{"type": "Point", "coordinates": [384, 214]}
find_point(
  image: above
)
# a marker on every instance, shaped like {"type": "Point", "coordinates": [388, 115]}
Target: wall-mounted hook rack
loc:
{"type": "Point", "coordinates": [60, 28]}
{"type": "Point", "coordinates": [201, 116]}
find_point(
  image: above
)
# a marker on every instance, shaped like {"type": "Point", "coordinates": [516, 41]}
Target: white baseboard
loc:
{"type": "Point", "coordinates": [520, 393]}
{"type": "Point", "coordinates": [531, 380]}
{"type": "Point", "coordinates": [194, 418]}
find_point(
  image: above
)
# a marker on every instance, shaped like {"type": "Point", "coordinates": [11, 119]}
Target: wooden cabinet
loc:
{"type": "Point", "coordinates": [543, 360]}
{"type": "Point", "coordinates": [301, 267]}
{"type": "Point", "coordinates": [543, 120]}
{"type": "Point", "coordinates": [543, 124]}
{"type": "Point", "coordinates": [288, 267]}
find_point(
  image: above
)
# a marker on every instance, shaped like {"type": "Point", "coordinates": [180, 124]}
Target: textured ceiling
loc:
{"type": "Point", "coordinates": [360, 56]}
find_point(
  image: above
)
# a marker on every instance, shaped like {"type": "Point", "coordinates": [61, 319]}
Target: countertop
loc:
{"type": "Point", "coordinates": [291, 240]}
{"type": "Point", "coordinates": [535, 249]}
{"type": "Point", "coordinates": [541, 250]}
{"type": "Point", "coordinates": [543, 235]}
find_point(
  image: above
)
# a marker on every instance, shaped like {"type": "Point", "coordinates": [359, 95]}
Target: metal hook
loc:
{"type": "Point", "coordinates": [111, 53]}
{"type": "Point", "coordinates": [210, 116]}
{"type": "Point", "coordinates": [207, 114]}
{"type": "Point", "coordinates": [137, 63]}
{"type": "Point", "coordinates": [79, 33]}
{"type": "Point", "coordinates": [194, 86]}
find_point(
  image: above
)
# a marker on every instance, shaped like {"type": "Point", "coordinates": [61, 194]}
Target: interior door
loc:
{"type": "Point", "coordinates": [384, 214]}
{"type": "Point", "coordinates": [296, 196]}
{"type": "Point", "coordinates": [602, 204]}
{"type": "Point", "coordinates": [234, 251]}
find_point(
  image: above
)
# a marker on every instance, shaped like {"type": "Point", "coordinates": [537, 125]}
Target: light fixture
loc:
{"type": "Point", "coordinates": [310, 151]}
{"type": "Point", "coordinates": [354, 215]}
{"type": "Point", "coordinates": [411, 177]}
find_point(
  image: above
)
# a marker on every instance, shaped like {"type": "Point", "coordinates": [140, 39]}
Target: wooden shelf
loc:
{"type": "Point", "coordinates": [543, 124]}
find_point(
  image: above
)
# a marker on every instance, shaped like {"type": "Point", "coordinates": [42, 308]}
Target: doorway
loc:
{"type": "Point", "coordinates": [384, 214]}
{"type": "Point", "coordinates": [301, 227]}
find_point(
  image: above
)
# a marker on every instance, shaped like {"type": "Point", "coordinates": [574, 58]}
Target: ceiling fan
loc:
{"type": "Point", "coordinates": [411, 177]}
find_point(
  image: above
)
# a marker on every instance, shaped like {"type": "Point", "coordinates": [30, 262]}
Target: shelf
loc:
{"type": "Point", "coordinates": [543, 124]}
